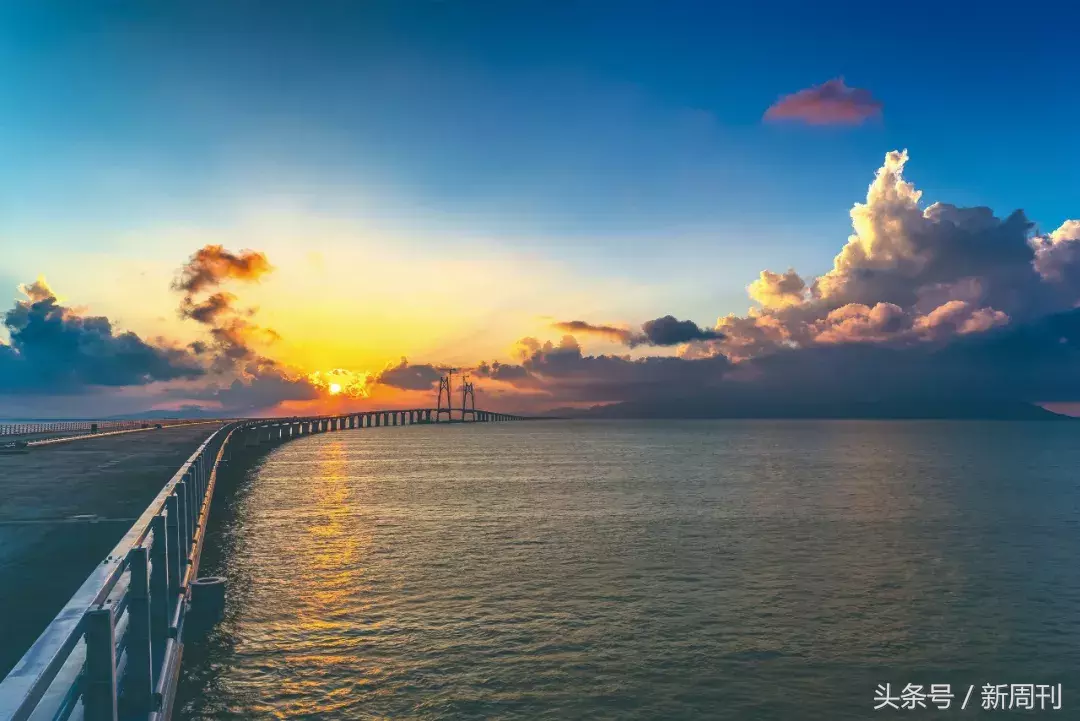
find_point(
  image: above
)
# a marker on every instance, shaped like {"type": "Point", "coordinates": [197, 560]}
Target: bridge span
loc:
{"type": "Point", "coordinates": [114, 649]}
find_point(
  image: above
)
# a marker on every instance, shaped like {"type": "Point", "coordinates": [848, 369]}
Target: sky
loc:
{"type": "Point", "coordinates": [457, 183]}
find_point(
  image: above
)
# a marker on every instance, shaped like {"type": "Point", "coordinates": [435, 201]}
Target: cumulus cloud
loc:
{"type": "Point", "coordinates": [940, 299]}
{"type": "Point", "coordinates": [775, 290]}
{"type": "Point", "coordinates": [664, 331]}
{"type": "Point", "coordinates": [831, 103]}
{"type": "Point", "coordinates": [408, 377]}
{"type": "Point", "coordinates": [909, 274]}
{"type": "Point", "coordinates": [56, 349]}
{"type": "Point", "coordinates": [1057, 255]}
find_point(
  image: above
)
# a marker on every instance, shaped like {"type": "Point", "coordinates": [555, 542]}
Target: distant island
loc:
{"type": "Point", "coordinates": [719, 407]}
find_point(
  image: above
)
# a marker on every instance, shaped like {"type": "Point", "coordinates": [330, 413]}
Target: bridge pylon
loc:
{"type": "Point", "coordinates": [444, 385]}
{"type": "Point", "coordinates": [468, 399]}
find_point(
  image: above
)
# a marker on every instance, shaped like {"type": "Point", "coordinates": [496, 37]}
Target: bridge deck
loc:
{"type": "Point", "coordinates": [44, 556]}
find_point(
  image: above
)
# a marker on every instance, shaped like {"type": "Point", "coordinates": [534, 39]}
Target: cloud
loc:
{"type": "Point", "coordinates": [249, 381]}
{"type": "Point", "coordinates": [212, 264]}
{"type": "Point", "coordinates": [506, 372]}
{"type": "Point", "coordinates": [920, 300]}
{"type": "Point", "coordinates": [563, 374]}
{"type": "Point", "coordinates": [908, 274]}
{"type": "Point", "coordinates": [408, 377]}
{"type": "Point", "coordinates": [773, 290]}
{"type": "Point", "coordinates": [608, 332]}
{"type": "Point", "coordinates": [55, 349]}
{"type": "Point", "coordinates": [668, 330]}
{"type": "Point", "coordinates": [260, 385]}
{"type": "Point", "coordinates": [665, 331]}
{"type": "Point", "coordinates": [1057, 255]}
{"type": "Point", "coordinates": [210, 310]}
{"type": "Point", "coordinates": [831, 103]}
{"type": "Point", "coordinates": [233, 333]}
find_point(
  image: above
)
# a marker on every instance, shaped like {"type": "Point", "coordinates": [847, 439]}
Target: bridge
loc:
{"type": "Point", "coordinates": [113, 651]}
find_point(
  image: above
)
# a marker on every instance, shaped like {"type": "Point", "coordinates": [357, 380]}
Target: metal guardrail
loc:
{"type": "Point", "coordinates": [82, 427]}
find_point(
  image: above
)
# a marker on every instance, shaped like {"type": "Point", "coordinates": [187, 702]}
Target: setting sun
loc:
{"type": "Point", "coordinates": [334, 389]}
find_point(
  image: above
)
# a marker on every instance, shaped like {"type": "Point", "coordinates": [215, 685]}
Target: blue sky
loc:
{"type": "Point", "coordinates": [623, 142]}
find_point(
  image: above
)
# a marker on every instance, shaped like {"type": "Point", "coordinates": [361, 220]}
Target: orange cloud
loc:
{"type": "Point", "coordinates": [831, 103]}
{"type": "Point", "coordinates": [212, 264]}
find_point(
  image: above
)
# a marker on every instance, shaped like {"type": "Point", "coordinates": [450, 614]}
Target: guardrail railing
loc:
{"type": "Point", "coordinates": [81, 427]}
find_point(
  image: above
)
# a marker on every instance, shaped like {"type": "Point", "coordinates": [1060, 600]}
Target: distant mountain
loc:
{"type": "Point", "coordinates": [717, 406]}
{"type": "Point", "coordinates": [185, 413]}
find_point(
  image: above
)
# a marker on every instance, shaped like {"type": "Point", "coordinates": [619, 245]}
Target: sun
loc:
{"type": "Point", "coordinates": [334, 388]}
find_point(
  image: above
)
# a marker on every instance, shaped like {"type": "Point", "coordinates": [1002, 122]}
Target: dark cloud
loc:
{"type": "Point", "coordinates": [259, 386]}
{"type": "Point", "coordinates": [1037, 361]}
{"type": "Point", "coordinates": [669, 330]}
{"type": "Point", "coordinates": [210, 265]}
{"type": "Point", "coordinates": [507, 372]}
{"type": "Point", "coordinates": [408, 377]}
{"type": "Point", "coordinates": [55, 349]}
{"type": "Point", "coordinates": [665, 331]}
{"type": "Point", "coordinates": [210, 310]}
{"type": "Point", "coordinates": [564, 374]}
{"type": "Point", "coordinates": [831, 103]}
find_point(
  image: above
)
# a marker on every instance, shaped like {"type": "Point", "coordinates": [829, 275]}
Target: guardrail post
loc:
{"type": "Point", "coordinates": [138, 686]}
{"type": "Point", "coordinates": [193, 497]}
{"type": "Point", "coordinates": [174, 532]}
{"type": "Point", "coordinates": [159, 590]}
{"type": "Point", "coordinates": [99, 692]}
{"type": "Point", "coordinates": [184, 522]}
{"type": "Point", "coordinates": [196, 490]}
